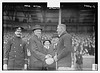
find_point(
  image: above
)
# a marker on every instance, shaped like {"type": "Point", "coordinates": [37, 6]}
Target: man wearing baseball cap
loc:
{"type": "Point", "coordinates": [15, 53]}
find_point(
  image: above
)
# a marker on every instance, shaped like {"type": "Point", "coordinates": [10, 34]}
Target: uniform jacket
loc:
{"type": "Point", "coordinates": [64, 50]}
{"type": "Point", "coordinates": [15, 53]}
{"type": "Point", "coordinates": [37, 52]}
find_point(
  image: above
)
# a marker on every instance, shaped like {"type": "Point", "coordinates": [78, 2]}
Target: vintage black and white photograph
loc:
{"type": "Point", "coordinates": [36, 37]}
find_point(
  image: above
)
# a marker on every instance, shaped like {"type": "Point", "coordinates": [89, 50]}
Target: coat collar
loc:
{"type": "Point", "coordinates": [63, 33]}
{"type": "Point", "coordinates": [36, 37]}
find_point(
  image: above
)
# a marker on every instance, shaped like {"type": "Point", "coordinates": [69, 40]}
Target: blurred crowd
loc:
{"type": "Point", "coordinates": [84, 43]}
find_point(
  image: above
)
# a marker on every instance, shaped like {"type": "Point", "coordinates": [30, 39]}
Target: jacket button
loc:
{"type": "Point", "coordinates": [20, 44]}
{"type": "Point", "coordinates": [14, 47]}
{"type": "Point", "coordinates": [27, 42]}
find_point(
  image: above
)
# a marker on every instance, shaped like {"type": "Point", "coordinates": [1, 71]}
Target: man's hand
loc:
{"type": "Point", "coordinates": [5, 66]}
{"type": "Point", "coordinates": [55, 58]}
{"type": "Point", "coordinates": [25, 66]}
{"type": "Point", "coordinates": [48, 56]}
{"type": "Point", "coordinates": [49, 61]}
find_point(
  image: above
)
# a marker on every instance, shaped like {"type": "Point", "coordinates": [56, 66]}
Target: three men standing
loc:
{"type": "Point", "coordinates": [16, 53]}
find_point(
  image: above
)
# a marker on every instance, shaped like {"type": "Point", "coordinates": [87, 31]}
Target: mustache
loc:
{"type": "Point", "coordinates": [19, 34]}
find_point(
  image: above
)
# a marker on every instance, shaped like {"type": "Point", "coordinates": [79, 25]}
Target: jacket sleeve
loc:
{"type": "Point", "coordinates": [36, 54]}
{"type": "Point", "coordinates": [6, 51]}
{"type": "Point", "coordinates": [52, 50]}
{"type": "Point", "coordinates": [67, 47]}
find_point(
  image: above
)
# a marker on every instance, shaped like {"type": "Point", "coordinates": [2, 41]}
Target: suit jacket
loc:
{"type": "Point", "coordinates": [51, 51]}
{"type": "Point", "coordinates": [36, 60]}
{"type": "Point", "coordinates": [64, 50]}
{"type": "Point", "coordinates": [15, 53]}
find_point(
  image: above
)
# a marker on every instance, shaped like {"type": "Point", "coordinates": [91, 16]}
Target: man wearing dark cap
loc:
{"type": "Point", "coordinates": [15, 54]}
{"type": "Point", "coordinates": [64, 48]}
{"type": "Point", "coordinates": [37, 57]}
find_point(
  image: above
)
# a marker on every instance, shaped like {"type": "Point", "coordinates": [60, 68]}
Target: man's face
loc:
{"type": "Point", "coordinates": [59, 30]}
{"type": "Point", "coordinates": [37, 32]}
{"type": "Point", "coordinates": [47, 43]}
{"type": "Point", "coordinates": [18, 33]}
{"type": "Point", "coordinates": [55, 40]}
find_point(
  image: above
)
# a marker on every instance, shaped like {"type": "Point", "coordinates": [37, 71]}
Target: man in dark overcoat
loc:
{"type": "Point", "coordinates": [37, 57]}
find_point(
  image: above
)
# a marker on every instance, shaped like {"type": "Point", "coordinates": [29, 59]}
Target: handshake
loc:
{"type": "Point", "coordinates": [49, 59]}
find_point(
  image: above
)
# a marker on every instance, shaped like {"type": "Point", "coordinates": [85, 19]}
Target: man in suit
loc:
{"type": "Point", "coordinates": [64, 48]}
{"type": "Point", "coordinates": [15, 53]}
{"type": "Point", "coordinates": [37, 57]}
